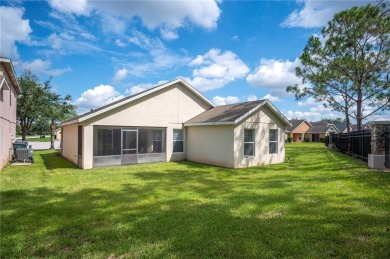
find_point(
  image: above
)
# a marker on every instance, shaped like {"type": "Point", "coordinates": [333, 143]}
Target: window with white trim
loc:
{"type": "Point", "coordinates": [178, 141]}
{"type": "Point", "coordinates": [249, 142]}
{"type": "Point", "coordinates": [273, 141]}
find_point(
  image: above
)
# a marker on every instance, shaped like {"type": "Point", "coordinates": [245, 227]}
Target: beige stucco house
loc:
{"type": "Point", "coordinates": [173, 122]}
{"type": "Point", "coordinates": [297, 130]}
{"type": "Point", "coordinates": [9, 88]}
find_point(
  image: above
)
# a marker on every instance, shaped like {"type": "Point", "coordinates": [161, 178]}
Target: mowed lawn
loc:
{"type": "Point", "coordinates": [319, 204]}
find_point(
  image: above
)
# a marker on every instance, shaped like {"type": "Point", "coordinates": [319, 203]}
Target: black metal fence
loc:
{"type": "Point", "coordinates": [356, 143]}
{"type": "Point", "coordinates": [387, 146]}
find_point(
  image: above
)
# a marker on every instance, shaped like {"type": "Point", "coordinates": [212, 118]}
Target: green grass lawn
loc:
{"type": "Point", "coordinates": [38, 139]}
{"type": "Point", "coordinates": [319, 204]}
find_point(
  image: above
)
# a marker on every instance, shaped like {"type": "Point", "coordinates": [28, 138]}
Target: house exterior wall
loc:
{"type": "Point", "coordinates": [300, 132]}
{"type": "Point", "coordinates": [167, 108]}
{"type": "Point", "coordinates": [69, 142]}
{"type": "Point", "coordinates": [211, 145]}
{"type": "Point", "coordinates": [7, 118]}
{"type": "Point", "coordinates": [261, 121]}
{"type": "Point", "coordinates": [302, 128]}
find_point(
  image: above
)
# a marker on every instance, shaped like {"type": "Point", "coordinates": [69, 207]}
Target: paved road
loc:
{"type": "Point", "coordinates": [44, 145]}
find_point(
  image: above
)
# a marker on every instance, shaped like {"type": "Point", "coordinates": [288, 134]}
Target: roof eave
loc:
{"type": "Point", "coordinates": [68, 123]}
{"type": "Point", "coordinates": [209, 123]}
{"type": "Point", "coordinates": [91, 115]}
{"type": "Point", "coordinates": [11, 72]}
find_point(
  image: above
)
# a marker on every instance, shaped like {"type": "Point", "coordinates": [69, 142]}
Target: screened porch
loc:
{"type": "Point", "coordinates": [128, 145]}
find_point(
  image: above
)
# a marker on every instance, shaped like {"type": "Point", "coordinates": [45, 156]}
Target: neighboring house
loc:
{"type": "Point", "coordinates": [364, 127]}
{"type": "Point", "coordinates": [342, 127]}
{"type": "Point", "coordinates": [302, 130]}
{"type": "Point", "coordinates": [298, 129]}
{"type": "Point", "coordinates": [173, 122]}
{"type": "Point", "coordinates": [318, 133]}
{"type": "Point", "coordinates": [57, 134]}
{"type": "Point", "coordinates": [9, 88]}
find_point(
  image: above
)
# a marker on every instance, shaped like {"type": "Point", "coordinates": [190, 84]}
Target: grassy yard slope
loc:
{"type": "Point", "coordinates": [319, 204]}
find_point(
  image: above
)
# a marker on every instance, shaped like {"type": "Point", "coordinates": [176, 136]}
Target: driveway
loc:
{"type": "Point", "coordinates": [44, 145]}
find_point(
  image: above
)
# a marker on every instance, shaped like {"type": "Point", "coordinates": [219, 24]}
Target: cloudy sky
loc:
{"type": "Point", "coordinates": [232, 51]}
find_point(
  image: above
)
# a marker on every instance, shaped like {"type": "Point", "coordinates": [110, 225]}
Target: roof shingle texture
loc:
{"type": "Point", "coordinates": [318, 129]}
{"type": "Point", "coordinates": [225, 113]}
{"type": "Point", "coordinates": [294, 123]}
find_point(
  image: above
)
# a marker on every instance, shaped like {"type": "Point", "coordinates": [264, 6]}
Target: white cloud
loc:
{"type": "Point", "coordinates": [78, 7]}
{"type": "Point", "coordinates": [272, 98]}
{"type": "Point", "coordinates": [157, 57]}
{"type": "Point", "coordinates": [40, 66]}
{"type": "Point", "coordinates": [312, 115]}
{"type": "Point", "coordinates": [96, 97]}
{"type": "Point", "coordinates": [13, 29]}
{"type": "Point", "coordinates": [167, 16]}
{"type": "Point", "coordinates": [251, 98]}
{"type": "Point", "coordinates": [218, 100]}
{"type": "Point", "coordinates": [120, 43]}
{"type": "Point", "coordinates": [216, 69]}
{"type": "Point", "coordinates": [120, 74]}
{"type": "Point", "coordinates": [142, 87]}
{"type": "Point", "coordinates": [274, 75]}
{"type": "Point", "coordinates": [66, 43]}
{"type": "Point", "coordinates": [316, 13]}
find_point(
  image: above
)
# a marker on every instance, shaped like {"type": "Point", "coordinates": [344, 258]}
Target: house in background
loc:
{"type": "Point", "coordinates": [319, 131]}
{"type": "Point", "coordinates": [9, 89]}
{"type": "Point", "coordinates": [57, 134]}
{"type": "Point", "coordinates": [364, 127]}
{"type": "Point", "coordinates": [297, 130]}
{"type": "Point", "coordinates": [173, 122]}
{"type": "Point", "coordinates": [342, 127]}
{"type": "Point", "coordinates": [302, 130]}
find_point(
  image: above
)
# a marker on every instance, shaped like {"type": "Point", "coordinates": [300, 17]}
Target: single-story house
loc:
{"type": "Point", "coordinates": [9, 89]}
{"type": "Point", "coordinates": [57, 133]}
{"type": "Point", "coordinates": [302, 130]}
{"type": "Point", "coordinates": [342, 127]}
{"type": "Point", "coordinates": [364, 127]}
{"type": "Point", "coordinates": [318, 133]}
{"type": "Point", "coordinates": [173, 122]}
{"type": "Point", "coordinates": [297, 130]}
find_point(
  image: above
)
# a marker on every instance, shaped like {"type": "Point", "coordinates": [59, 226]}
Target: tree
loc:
{"type": "Point", "coordinates": [40, 125]}
{"type": "Point", "coordinates": [348, 66]}
{"type": "Point", "coordinates": [335, 121]}
{"type": "Point", "coordinates": [32, 101]}
{"type": "Point", "coordinates": [60, 109]}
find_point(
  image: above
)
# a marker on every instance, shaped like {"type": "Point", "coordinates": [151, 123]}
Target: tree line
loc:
{"type": "Point", "coordinates": [347, 66]}
{"type": "Point", "coordinates": [39, 105]}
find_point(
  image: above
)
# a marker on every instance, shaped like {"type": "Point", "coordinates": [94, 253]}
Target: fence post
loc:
{"type": "Point", "coordinates": [376, 159]}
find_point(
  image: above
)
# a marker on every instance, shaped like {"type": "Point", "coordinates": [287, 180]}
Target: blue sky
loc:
{"type": "Point", "coordinates": [231, 51]}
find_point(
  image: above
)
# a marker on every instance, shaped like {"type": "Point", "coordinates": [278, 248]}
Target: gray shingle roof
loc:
{"type": "Point", "coordinates": [294, 123]}
{"type": "Point", "coordinates": [340, 126]}
{"type": "Point", "coordinates": [318, 129]}
{"type": "Point", "coordinates": [225, 113]}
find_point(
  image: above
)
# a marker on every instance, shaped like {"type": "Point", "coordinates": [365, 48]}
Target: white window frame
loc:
{"type": "Point", "coordinates": [250, 142]}
{"type": "Point", "coordinates": [175, 140]}
{"type": "Point", "coordinates": [273, 141]}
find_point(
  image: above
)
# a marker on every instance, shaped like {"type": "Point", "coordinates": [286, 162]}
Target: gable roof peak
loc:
{"type": "Point", "coordinates": [134, 97]}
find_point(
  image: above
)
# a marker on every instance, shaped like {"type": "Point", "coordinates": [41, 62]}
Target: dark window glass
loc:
{"type": "Point", "coordinates": [249, 142]}
{"type": "Point", "coordinates": [178, 140]}
{"type": "Point", "coordinates": [273, 141]}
